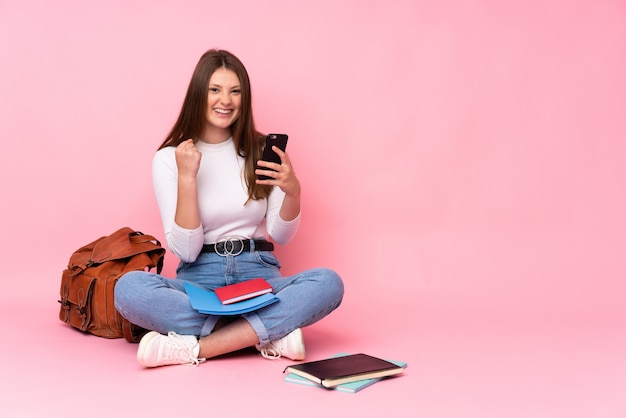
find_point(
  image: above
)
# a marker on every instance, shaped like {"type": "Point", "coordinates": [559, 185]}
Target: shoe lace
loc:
{"type": "Point", "coordinates": [180, 349]}
{"type": "Point", "coordinates": [270, 352]}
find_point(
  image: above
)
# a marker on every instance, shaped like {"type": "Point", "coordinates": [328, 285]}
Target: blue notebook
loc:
{"type": "Point", "coordinates": [206, 302]}
{"type": "Point", "coordinates": [352, 387]}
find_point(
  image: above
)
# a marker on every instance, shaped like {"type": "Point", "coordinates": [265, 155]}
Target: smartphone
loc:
{"type": "Point", "coordinates": [280, 140]}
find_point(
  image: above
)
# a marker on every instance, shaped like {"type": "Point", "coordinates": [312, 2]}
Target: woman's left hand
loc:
{"type": "Point", "coordinates": [281, 175]}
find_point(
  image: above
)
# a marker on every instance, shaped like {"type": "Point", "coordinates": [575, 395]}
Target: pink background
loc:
{"type": "Point", "coordinates": [463, 168]}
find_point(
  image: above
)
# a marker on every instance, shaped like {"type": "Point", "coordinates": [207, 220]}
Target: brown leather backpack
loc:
{"type": "Point", "coordinates": [88, 282]}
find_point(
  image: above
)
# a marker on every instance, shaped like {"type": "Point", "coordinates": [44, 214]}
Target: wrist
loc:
{"type": "Point", "coordinates": [184, 179]}
{"type": "Point", "coordinates": [294, 192]}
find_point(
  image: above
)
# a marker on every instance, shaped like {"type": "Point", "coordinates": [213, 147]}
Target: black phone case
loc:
{"type": "Point", "coordinates": [280, 140]}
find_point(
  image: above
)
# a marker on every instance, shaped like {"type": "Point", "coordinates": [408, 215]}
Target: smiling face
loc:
{"type": "Point", "coordinates": [223, 105]}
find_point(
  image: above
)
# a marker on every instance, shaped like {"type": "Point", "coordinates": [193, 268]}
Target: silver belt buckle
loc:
{"type": "Point", "coordinates": [231, 246]}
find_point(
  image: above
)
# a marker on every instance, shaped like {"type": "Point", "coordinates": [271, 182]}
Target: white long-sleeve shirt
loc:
{"type": "Point", "coordinates": [222, 196]}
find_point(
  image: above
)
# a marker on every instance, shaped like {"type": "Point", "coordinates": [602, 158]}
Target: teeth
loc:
{"type": "Point", "coordinates": [224, 111]}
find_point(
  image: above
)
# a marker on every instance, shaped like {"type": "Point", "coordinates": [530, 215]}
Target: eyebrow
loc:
{"type": "Point", "coordinates": [219, 85]}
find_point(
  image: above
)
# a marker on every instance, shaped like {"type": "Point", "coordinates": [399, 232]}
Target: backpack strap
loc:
{"type": "Point", "coordinates": [132, 333]}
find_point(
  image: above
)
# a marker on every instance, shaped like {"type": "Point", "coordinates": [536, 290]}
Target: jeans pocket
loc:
{"type": "Point", "coordinates": [268, 259]}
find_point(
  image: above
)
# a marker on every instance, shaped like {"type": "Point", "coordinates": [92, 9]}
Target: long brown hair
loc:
{"type": "Point", "coordinates": [192, 118]}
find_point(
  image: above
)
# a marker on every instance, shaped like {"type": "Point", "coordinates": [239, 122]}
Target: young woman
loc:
{"type": "Point", "coordinates": [218, 219]}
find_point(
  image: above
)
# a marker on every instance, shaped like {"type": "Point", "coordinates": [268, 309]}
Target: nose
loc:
{"type": "Point", "coordinates": [225, 97]}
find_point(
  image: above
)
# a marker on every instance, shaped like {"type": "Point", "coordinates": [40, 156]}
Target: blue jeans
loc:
{"type": "Point", "coordinates": [157, 303]}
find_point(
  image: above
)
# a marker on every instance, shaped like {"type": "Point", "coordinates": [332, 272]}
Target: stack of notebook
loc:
{"type": "Point", "coordinates": [343, 372]}
{"type": "Point", "coordinates": [233, 299]}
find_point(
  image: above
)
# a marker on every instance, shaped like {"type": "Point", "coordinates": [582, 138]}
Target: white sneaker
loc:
{"type": "Point", "coordinates": [161, 350]}
{"type": "Point", "coordinates": [290, 346]}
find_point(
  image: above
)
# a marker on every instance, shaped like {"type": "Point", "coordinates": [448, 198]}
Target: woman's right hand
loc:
{"type": "Point", "coordinates": [188, 159]}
